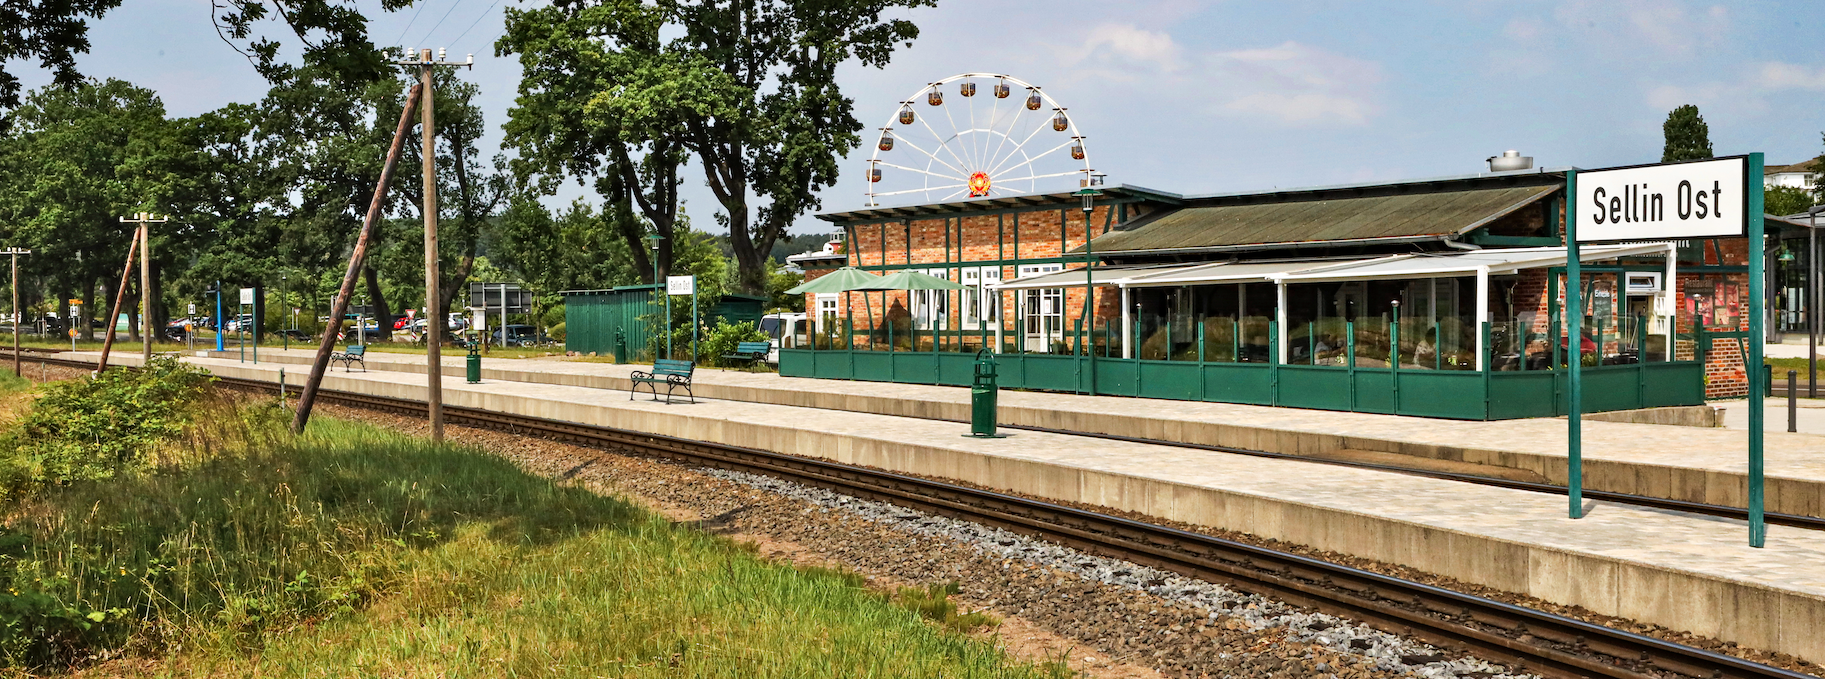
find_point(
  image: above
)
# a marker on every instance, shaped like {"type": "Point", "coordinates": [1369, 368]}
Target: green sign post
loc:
{"type": "Point", "coordinates": [1700, 199]}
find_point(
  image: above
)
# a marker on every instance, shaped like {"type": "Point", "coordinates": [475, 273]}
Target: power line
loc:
{"type": "Point", "coordinates": [440, 22]}
{"type": "Point", "coordinates": [478, 21]}
{"type": "Point", "coordinates": [402, 32]}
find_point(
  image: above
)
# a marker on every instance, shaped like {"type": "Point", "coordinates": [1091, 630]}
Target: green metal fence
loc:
{"type": "Point", "coordinates": [1452, 394]}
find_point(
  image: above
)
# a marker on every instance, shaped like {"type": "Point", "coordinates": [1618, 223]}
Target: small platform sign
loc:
{"type": "Point", "coordinates": [247, 295]}
{"type": "Point", "coordinates": [1703, 199]}
{"type": "Point", "coordinates": [680, 285]}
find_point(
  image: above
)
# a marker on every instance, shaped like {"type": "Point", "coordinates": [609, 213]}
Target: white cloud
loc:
{"type": "Point", "coordinates": [1625, 28]}
{"type": "Point", "coordinates": [1776, 75]}
{"type": "Point", "coordinates": [1132, 45]}
{"type": "Point", "coordinates": [1295, 84]}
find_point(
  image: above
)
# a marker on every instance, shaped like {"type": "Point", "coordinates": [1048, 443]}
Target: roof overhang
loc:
{"type": "Point", "coordinates": [1063, 199]}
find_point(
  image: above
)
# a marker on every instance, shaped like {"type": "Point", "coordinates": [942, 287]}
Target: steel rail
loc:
{"type": "Point", "coordinates": [1536, 641]}
{"type": "Point", "coordinates": [1706, 509]}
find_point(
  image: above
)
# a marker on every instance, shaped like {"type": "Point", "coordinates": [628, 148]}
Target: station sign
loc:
{"type": "Point", "coordinates": [1702, 199]}
{"type": "Point", "coordinates": [680, 285]}
{"type": "Point", "coordinates": [247, 295]}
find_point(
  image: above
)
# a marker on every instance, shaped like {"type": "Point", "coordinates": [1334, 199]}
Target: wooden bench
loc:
{"type": "Point", "coordinates": [750, 351]}
{"type": "Point", "coordinates": [673, 374]}
{"type": "Point", "coordinates": [355, 353]}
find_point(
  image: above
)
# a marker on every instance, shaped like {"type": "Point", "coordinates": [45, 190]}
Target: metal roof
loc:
{"type": "Point", "coordinates": [948, 208]}
{"type": "Point", "coordinates": [1334, 220]}
{"type": "Point", "coordinates": [1497, 261]}
{"type": "Point", "coordinates": [1074, 278]}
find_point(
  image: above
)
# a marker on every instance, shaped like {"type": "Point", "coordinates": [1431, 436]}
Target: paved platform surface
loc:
{"type": "Point", "coordinates": [1683, 571]}
{"type": "Point", "coordinates": [1685, 463]}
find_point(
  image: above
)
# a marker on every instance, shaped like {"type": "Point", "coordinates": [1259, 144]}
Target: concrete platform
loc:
{"type": "Point", "coordinates": [1681, 463]}
{"type": "Point", "coordinates": [1684, 572]}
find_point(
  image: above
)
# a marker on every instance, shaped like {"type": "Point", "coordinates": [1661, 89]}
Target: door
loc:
{"type": "Point", "coordinates": [1042, 310]}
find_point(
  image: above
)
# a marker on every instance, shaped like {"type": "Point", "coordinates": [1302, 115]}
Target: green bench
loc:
{"type": "Point", "coordinates": [750, 351]}
{"type": "Point", "coordinates": [673, 374]}
{"type": "Point", "coordinates": [355, 353]}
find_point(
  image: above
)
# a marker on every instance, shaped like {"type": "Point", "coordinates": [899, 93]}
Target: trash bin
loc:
{"type": "Point", "coordinates": [620, 346]}
{"type": "Point", "coordinates": [475, 363]}
{"type": "Point", "coordinates": [983, 392]}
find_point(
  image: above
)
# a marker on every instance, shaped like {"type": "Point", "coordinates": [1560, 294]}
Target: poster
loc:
{"type": "Point", "coordinates": [1698, 297]}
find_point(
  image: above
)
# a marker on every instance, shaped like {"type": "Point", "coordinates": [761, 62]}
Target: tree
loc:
{"type": "Point", "coordinates": [75, 160]}
{"type": "Point", "coordinates": [1687, 136]}
{"type": "Point", "coordinates": [748, 88]}
{"type": "Point", "coordinates": [1786, 200]}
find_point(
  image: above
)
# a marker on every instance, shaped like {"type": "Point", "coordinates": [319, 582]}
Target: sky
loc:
{"type": "Point", "coordinates": [1217, 97]}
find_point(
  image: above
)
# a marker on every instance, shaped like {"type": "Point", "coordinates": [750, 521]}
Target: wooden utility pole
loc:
{"type": "Point", "coordinates": [434, 314]}
{"type": "Point", "coordinates": [340, 305]}
{"type": "Point", "coordinates": [145, 220]}
{"type": "Point", "coordinates": [17, 317]}
{"type": "Point", "coordinates": [120, 295]}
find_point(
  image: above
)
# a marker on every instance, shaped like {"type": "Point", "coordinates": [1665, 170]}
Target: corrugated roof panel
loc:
{"type": "Point", "coordinates": [1343, 219]}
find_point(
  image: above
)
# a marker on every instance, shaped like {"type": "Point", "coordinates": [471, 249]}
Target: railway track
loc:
{"type": "Point", "coordinates": [1523, 638]}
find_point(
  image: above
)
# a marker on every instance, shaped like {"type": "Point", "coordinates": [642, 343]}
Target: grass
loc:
{"type": "Point", "coordinates": [1782, 365]}
{"type": "Point", "coordinates": [355, 551]}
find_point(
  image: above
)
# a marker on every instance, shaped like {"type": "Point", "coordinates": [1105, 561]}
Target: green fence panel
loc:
{"type": "Point", "coordinates": [1610, 387]}
{"type": "Point", "coordinates": [1049, 372]}
{"type": "Point", "coordinates": [796, 363]}
{"type": "Point", "coordinates": [914, 367]}
{"type": "Point", "coordinates": [874, 366]}
{"type": "Point", "coordinates": [1176, 380]}
{"type": "Point", "coordinates": [1118, 377]}
{"type": "Point", "coordinates": [1314, 387]}
{"type": "Point", "coordinates": [1238, 383]}
{"type": "Point", "coordinates": [1448, 393]}
{"type": "Point", "coordinates": [1680, 383]}
{"type": "Point", "coordinates": [831, 364]}
{"type": "Point", "coordinates": [958, 369]}
{"type": "Point", "coordinates": [1375, 390]}
{"type": "Point", "coordinates": [1522, 394]}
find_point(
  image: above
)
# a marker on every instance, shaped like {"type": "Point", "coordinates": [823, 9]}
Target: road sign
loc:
{"type": "Point", "coordinates": [72, 333]}
{"type": "Point", "coordinates": [192, 311]}
{"type": "Point", "coordinates": [680, 285]}
{"type": "Point", "coordinates": [1704, 199]}
{"type": "Point", "coordinates": [247, 295]}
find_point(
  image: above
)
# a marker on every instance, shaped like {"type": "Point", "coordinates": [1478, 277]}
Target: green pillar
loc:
{"type": "Point", "coordinates": [1752, 211]}
{"type": "Point", "coordinates": [1574, 320]}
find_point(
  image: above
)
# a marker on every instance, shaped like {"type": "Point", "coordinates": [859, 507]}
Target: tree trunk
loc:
{"type": "Point", "coordinates": [383, 315]}
{"type": "Point", "coordinates": [259, 312]}
{"type": "Point", "coordinates": [83, 313]}
{"type": "Point", "coordinates": [161, 314]}
{"type": "Point", "coordinates": [131, 302]}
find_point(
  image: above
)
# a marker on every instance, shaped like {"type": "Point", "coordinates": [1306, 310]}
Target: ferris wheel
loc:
{"type": "Point", "coordinates": [1012, 139]}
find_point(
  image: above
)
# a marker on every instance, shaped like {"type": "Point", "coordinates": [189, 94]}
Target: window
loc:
{"type": "Point", "coordinates": [826, 311]}
{"type": "Point", "coordinates": [931, 308]}
{"type": "Point", "coordinates": [1043, 310]}
{"type": "Point", "coordinates": [981, 304]}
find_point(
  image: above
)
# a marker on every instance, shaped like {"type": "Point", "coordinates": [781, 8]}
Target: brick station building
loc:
{"type": "Point", "coordinates": [1331, 288]}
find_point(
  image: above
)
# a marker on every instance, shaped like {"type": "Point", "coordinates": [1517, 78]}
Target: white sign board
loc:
{"type": "Point", "coordinates": [680, 285]}
{"type": "Point", "coordinates": [192, 311]}
{"type": "Point", "coordinates": [247, 295]}
{"type": "Point", "coordinates": [1657, 202]}
{"type": "Point", "coordinates": [481, 320]}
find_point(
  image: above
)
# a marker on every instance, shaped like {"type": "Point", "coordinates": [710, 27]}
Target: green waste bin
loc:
{"type": "Point", "coordinates": [983, 393]}
{"type": "Point", "coordinates": [475, 364]}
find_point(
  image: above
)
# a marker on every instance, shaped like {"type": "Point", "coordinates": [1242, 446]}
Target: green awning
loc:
{"type": "Point", "coordinates": [908, 280]}
{"type": "Point", "coordinates": [841, 280]}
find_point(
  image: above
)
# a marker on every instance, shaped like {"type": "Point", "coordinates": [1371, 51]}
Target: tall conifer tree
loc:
{"type": "Point", "coordinates": [1687, 135]}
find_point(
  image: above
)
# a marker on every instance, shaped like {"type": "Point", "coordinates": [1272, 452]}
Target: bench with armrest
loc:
{"type": "Point", "coordinates": [673, 374]}
{"type": "Point", "coordinates": [750, 351]}
{"type": "Point", "coordinates": [355, 353]}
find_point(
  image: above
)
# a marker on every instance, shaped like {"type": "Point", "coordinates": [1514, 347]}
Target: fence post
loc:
{"type": "Point", "coordinates": [1489, 366]}
{"type": "Point", "coordinates": [1349, 348]}
{"type": "Point", "coordinates": [1273, 362]}
{"type": "Point", "coordinates": [1793, 408]}
{"type": "Point", "coordinates": [1394, 355]}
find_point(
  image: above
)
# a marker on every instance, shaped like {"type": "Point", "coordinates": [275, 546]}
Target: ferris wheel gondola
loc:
{"type": "Point", "coordinates": [966, 150]}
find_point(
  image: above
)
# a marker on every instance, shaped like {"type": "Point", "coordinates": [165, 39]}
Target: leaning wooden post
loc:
{"type": "Point", "coordinates": [120, 294]}
{"type": "Point", "coordinates": [340, 305]}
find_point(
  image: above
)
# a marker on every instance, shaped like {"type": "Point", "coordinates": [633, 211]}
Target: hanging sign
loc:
{"type": "Point", "coordinates": [247, 295]}
{"type": "Point", "coordinates": [1703, 199]}
{"type": "Point", "coordinates": [680, 285]}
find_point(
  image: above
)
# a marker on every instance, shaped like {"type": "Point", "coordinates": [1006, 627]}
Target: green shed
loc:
{"type": "Point", "coordinates": [592, 317]}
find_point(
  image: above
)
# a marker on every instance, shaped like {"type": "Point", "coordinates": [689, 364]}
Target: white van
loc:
{"type": "Point", "coordinates": [782, 329]}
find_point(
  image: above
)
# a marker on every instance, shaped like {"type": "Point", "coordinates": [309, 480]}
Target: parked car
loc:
{"type": "Point", "coordinates": [519, 336]}
{"type": "Point", "coordinates": [780, 328]}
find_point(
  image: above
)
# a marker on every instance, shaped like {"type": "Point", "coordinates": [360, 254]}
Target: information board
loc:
{"type": "Point", "coordinates": [1703, 199]}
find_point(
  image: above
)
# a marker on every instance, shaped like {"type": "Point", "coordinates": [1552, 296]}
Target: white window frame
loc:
{"type": "Point", "coordinates": [931, 308]}
{"type": "Point", "coordinates": [981, 304]}
{"type": "Point", "coordinates": [1037, 324]}
{"type": "Point", "coordinates": [826, 304]}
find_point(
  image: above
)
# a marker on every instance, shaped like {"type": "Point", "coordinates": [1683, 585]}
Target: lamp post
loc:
{"type": "Point", "coordinates": [1813, 291]}
{"type": "Point", "coordinates": [659, 280]}
{"type": "Point", "coordinates": [1089, 194]}
{"type": "Point", "coordinates": [285, 337]}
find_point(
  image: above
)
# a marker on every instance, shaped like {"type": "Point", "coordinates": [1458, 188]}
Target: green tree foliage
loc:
{"type": "Point", "coordinates": [748, 89]}
{"type": "Point", "coordinates": [74, 160]}
{"type": "Point", "coordinates": [97, 428]}
{"type": "Point", "coordinates": [778, 282]}
{"type": "Point", "coordinates": [1687, 136]}
{"type": "Point", "coordinates": [1786, 200]}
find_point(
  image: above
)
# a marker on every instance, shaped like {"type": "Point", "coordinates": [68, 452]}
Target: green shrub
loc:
{"type": "Point", "coordinates": [96, 428]}
{"type": "Point", "coordinates": [556, 333]}
{"type": "Point", "coordinates": [725, 336]}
